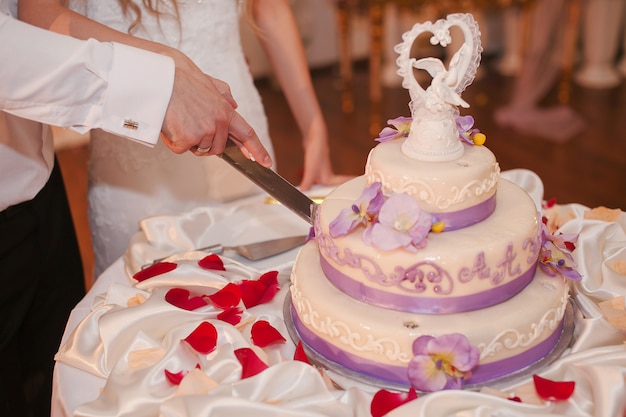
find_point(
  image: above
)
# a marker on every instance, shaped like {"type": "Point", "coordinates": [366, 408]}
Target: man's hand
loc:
{"type": "Point", "coordinates": [202, 115]}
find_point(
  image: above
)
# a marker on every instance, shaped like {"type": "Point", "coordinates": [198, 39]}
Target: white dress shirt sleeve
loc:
{"type": "Point", "coordinates": [62, 81]}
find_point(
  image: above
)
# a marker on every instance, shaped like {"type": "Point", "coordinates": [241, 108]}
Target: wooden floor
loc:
{"type": "Point", "coordinates": [589, 169]}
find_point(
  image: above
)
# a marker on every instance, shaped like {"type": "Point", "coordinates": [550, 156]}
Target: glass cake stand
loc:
{"type": "Point", "coordinates": [344, 378]}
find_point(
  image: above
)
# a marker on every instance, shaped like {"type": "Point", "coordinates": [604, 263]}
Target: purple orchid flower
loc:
{"type": "Point", "coordinates": [442, 362]}
{"type": "Point", "coordinates": [401, 223]}
{"type": "Point", "coordinates": [401, 127]}
{"type": "Point", "coordinates": [555, 257]}
{"type": "Point", "coordinates": [464, 124]}
{"type": "Point", "coordinates": [363, 212]}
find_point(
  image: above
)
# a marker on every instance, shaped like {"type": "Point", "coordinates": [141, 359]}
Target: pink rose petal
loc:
{"type": "Point", "coordinates": [204, 338]}
{"type": "Point", "coordinates": [264, 334]}
{"type": "Point", "coordinates": [212, 262]}
{"type": "Point", "coordinates": [154, 270]}
{"type": "Point", "coordinates": [384, 401]}
{"type": "Point", "coordinates": [251, 364]}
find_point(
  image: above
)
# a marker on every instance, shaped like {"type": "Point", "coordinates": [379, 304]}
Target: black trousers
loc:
{"type": "Point", "coordinates": [41, 280]}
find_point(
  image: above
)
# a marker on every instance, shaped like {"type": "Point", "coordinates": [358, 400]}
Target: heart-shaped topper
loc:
{"type": "Point", "coordinates": [434, 135]}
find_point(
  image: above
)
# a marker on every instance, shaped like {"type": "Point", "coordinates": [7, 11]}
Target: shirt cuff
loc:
{"type": "Point", "coordinates": [140, 87]}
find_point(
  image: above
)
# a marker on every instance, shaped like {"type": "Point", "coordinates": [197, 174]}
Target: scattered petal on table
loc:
{"type": "Point", "coordinates": [174, 378]}
{"type": "Point", "coordinates": [264, 334]}
{"type": "Point", "coordinates": [203, 339]}
{"type": "Point", "coordinates": [231, 316]}
{"type": "Point", "coordinates": [384, 401]}
{"type": "Point", "coordinates": [553, 390]}
{"type": "Point", "coordinates": [212, 262]}
{"type": "Point", "coordinates": [260, 291]}
{"type": "Point", "coordinates": [250, 362]}
{"type": "Point", "coordinates": [299, 354]}
{"type": "Point", "coordinates": [227, 297]}
{"type": "Point", "coordinates": [181, 298]}
{"type": "Point", "coordinates": [154, 270]}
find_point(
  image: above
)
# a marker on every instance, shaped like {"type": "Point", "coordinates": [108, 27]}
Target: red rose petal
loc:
{"type": "Point", "coordinates": [212, 262]}
{"type": "Point", "coordinates": [227, 297]}
{"type": "Point", "coordinates": [270, 279]}
{"type": "Point", "coordinates": [204, 338]}
{"type": "Point", "coordinates": [260, 291]}
{"type": "Point", "coordinates": [180, 298]}
{"type": "Point", "coordinates": [299, 354]}
{"type": "Point", "coordinates": [174, 378]}
{"type": "Point", "coordinates": [263, 334]}
{"type": "Point", "coordinates": [553, 390]}
{"type": "Point", "coordinates": [154, 270]}
{"type": "Point", "coordinates": [251, 364]}
{"type": "Point", "coordinates": [384, 401]}
{"type": "Point", "coordinates": [251, 292]}
{"type": "Point", "coordinates": [231, 316]}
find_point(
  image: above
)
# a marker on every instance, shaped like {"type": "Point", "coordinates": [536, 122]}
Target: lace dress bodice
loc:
{"type": "Point", "coordinates": [129, 181]}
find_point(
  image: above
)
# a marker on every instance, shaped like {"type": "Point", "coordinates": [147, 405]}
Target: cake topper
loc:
{"type": "Point", "coordinates": [434, 135]}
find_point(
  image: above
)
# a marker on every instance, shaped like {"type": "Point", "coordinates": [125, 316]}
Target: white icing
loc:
{"type": "Point", "coordinates": [439, 187]}
{"type": "Point", "coordinates": [384, 336]}
{"type": "Point", "coordinates": [343, 333]}
{"type": "Point", "coordinates": [514, 340]}
{"type": "Point", "coordinates": [469, 261]}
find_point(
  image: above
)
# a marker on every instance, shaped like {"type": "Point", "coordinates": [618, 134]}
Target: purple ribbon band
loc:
{"type": "Point", "coordinates": [398, 374]}
{"type": "Point", "coordinates": [425, 305]}
{"type": "Point", "coordinates": [463, 218]}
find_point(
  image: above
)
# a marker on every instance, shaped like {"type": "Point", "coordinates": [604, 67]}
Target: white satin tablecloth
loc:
{"type": "Point", "coordinates": [123, 334]}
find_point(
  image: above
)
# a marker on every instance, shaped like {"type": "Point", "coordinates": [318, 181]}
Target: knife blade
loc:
{"type": "Point", "coordinates": [253, 251]}
{"type": "Point", "coordinates": [271, 182]}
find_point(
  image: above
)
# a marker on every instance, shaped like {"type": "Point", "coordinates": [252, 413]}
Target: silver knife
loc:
{"type": "Point", "coordinates": [272, 183]}
{"type": "Point", "coordinates": [252, 251]}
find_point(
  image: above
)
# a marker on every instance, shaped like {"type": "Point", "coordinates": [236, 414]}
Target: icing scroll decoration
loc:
{"type": "Point", "coordinates": [434, 135]}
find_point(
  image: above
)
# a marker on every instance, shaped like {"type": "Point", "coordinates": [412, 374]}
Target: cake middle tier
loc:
{"type": "Point", "coordinates": [463, 270]}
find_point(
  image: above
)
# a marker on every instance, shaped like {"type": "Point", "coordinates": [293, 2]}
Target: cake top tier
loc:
{"type": "Point", "coordinates": [434, 135]}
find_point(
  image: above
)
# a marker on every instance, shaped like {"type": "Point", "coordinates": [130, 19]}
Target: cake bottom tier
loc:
{"type": "Point", "coordinates": [377, 342]}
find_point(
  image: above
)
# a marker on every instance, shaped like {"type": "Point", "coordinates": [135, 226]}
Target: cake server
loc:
{"type": "Point", "coordinates": [252, 251]}
{"type": "Point", "coordinates": [272, 183]}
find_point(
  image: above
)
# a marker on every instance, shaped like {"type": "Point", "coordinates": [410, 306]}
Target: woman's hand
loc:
{"type": "Point", "coordinates": [317, 165]}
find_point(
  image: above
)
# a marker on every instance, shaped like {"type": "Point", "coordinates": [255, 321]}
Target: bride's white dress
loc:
{"type": "Point", "coordinates": [129, 181]}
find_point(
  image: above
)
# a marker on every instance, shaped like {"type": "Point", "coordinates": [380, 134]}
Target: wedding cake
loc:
{"type": "Point", "coordinates": [430, 270]}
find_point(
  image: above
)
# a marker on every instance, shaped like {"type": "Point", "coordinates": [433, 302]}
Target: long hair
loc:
{"type": "Point", "coordinates": [133, 11]}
